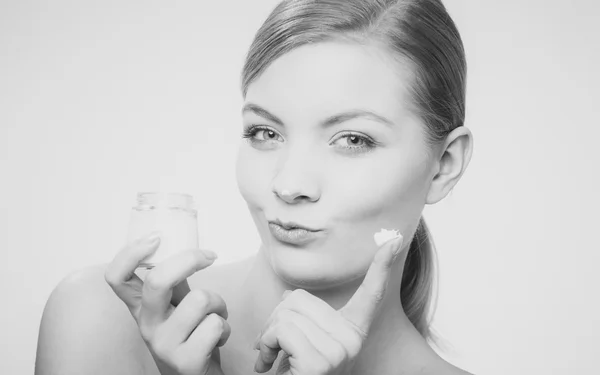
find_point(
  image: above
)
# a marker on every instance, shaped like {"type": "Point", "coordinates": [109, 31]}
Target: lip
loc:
{"type": "Point", "coordinates": [292, 225]}
{"type": "Point", "coordinates": [298, 236]}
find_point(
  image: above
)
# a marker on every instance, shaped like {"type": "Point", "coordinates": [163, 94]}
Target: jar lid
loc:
{"type": "Point", "coordinates": [168, 200]}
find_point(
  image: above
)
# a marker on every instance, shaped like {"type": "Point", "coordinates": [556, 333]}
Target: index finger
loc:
{"type": "Point", "coordinates": [362, 307]}
{"type": "Point", "coordinates": [179, 292]}
{"type": "Point", "coordinates": [160, 283]}
{"type": "Point", "coordinates": [120, 272]}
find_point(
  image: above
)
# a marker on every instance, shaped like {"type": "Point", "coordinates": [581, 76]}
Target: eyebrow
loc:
{"type": "Point", "coordinates": [329, 121]}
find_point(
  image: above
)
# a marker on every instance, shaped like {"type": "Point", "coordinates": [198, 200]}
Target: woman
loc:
{"type": "Point", "coordinates": [353, 122]}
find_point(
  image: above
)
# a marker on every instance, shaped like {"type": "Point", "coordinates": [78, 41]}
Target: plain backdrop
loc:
{"type": "Point", "coordinates": [102, 99]}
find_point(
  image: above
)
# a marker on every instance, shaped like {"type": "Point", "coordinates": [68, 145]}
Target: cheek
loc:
{"type": "Point", "coordinates": [252, 181]}
{"type": "Point", "coordinates": [358, 198]}
{"type": "Point", "coordinates": [394, 193]}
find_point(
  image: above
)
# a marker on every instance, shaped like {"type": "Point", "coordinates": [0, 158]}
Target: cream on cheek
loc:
{"type": "Point", "coordinates": [371, 199]}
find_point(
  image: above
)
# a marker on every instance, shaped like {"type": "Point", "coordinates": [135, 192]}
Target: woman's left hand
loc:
{"type": "Point", "coordinates": [318, 339]}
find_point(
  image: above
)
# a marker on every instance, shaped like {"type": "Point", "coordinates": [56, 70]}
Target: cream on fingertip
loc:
{"type": "Point", "coordinates": [385, 235]}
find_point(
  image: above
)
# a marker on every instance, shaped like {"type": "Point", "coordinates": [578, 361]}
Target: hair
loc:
{"type": "Point", "coordinates": [419, 33]}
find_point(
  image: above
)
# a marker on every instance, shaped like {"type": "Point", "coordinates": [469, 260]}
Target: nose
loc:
{"type": "Point", "coordinates": [296, 179]}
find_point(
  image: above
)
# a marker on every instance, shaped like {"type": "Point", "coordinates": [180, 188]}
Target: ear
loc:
{"type": "Point", "coordinates": [455, 155]}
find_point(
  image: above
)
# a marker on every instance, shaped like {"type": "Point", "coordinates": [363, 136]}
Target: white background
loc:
{"type": "Point", "coordinates": [99, 100]}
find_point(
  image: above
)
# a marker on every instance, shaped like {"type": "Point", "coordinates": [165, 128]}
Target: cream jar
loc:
{"type": "Point", "coordinates": [173, 215]}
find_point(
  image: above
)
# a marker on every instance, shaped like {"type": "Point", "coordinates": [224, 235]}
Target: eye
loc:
{"type": "Point", "coordinates": [260, 134]}
{"type": "Point", "coordinates": [355, 142]}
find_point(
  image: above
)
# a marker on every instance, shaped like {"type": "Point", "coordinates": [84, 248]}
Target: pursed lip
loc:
{"type": "Point", "coordinates": [292, 225]}
{"type": "Point", "coordinates": [298, 236]}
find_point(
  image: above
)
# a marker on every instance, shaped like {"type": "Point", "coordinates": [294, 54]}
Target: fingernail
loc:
{"type": "Point", "coordinates": [210, 255]}
{"type": "Point", "coordinates": [257, 342]}
{"type": "Point", "coordinates": [152, 237]}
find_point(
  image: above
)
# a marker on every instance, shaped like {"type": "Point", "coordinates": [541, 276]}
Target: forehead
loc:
{"type": "Point", "coordinates": [320, 79]}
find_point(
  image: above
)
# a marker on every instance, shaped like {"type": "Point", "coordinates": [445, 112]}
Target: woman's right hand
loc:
{"type": "Point", "coordinates": [183, 329]}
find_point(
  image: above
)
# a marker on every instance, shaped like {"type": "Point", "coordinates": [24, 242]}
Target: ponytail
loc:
{"type": "Point", "coordinates": [418, 277]}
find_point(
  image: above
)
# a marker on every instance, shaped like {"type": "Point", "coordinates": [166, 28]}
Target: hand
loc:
{"type": "Point", "coordinates": [182, 329]}
{"type": "Point", "coordinates": [318, 339]}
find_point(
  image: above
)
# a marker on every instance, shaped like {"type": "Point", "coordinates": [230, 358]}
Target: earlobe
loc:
{"type": "Point", "coordinates": [454, 159]}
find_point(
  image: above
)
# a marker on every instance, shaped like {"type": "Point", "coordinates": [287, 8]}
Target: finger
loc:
{"type": "Point", "coordinates": [190, 312]}
{"type": "Point", "coordinates": [213, 331]}
{"type": "Point", "coordinates": [120, 273]}
{"type": "Point", "coordinates": [289, 338]}
{"type": "Point", "coordinates": [329, 320]}
{"type": "Point", "coordinates": [329, 348]}
{"type": "Point", "coordinates": [266, 355]}
{"type": "Point", "coordinates": [179, 292]}
{"type": "Point", "coordinates": [362, 306]}
{"type": "Point", "coordinates": [159, 283]}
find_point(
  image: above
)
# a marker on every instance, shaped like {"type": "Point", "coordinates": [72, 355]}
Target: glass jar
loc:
{"type": "Point", "coordinates": [173, 215]}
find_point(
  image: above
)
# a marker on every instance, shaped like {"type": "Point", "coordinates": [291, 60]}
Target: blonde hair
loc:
{"type": "Point", "coordinates": [422, 34]}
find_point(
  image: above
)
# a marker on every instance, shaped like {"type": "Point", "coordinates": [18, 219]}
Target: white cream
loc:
{"type": "Point", "coordinates": [178, 231]}
{"type": "Point", "coordinates": [384, 235]}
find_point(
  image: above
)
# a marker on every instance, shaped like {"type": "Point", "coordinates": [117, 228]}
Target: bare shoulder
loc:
{"type": "Point", "coordinates": [87, 329]}
{"type": "Point", "coordinates": [446, 368]}
{"type": "Point", "coordinates": [453, 370]}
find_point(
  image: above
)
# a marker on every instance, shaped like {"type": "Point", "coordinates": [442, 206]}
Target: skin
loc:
{"type": "Point", "coordinates": [349, 194]}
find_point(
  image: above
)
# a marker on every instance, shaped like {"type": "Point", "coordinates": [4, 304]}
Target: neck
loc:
{"type": "Point", "coordinates": [392, 338]}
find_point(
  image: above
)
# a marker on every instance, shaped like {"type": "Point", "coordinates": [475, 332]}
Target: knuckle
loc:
{"type": "Point", "coordinates": [215, 322]}
{"type": "Point", "coordinates": [354, 345]}
{"type": "Point", "coordinates": [321, 367]}
{"type": "Point", "coordinates": [160, 346]}
{"type": "Point", "coordinates": [298, 296]}
{"type": "Point", "coordinates": [200, 295]}
{"type": "Point", "coordinates": [199, 299]}
{"type": "Point", "coordinates": [153, 281]}
{"type": "Point", "coordinates": [339, 355]}
{"type": "Point", "coordinates": [110, 278]}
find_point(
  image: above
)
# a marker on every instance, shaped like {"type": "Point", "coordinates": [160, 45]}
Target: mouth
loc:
{"type": "Point", "coordinates": [290, 225]}
{"type": "Point", "coordinates": [293, 233]}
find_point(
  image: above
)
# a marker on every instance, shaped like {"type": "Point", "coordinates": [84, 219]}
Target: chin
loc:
{"type": "Point", "coordinates": [311, 270]}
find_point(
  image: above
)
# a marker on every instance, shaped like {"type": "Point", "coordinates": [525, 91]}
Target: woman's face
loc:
{"type": "Point", "coordinates": [342, 172]}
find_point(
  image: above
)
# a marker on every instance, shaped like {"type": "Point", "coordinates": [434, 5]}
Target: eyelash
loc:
{"type": "Point", "coordinates": [370, 144]}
